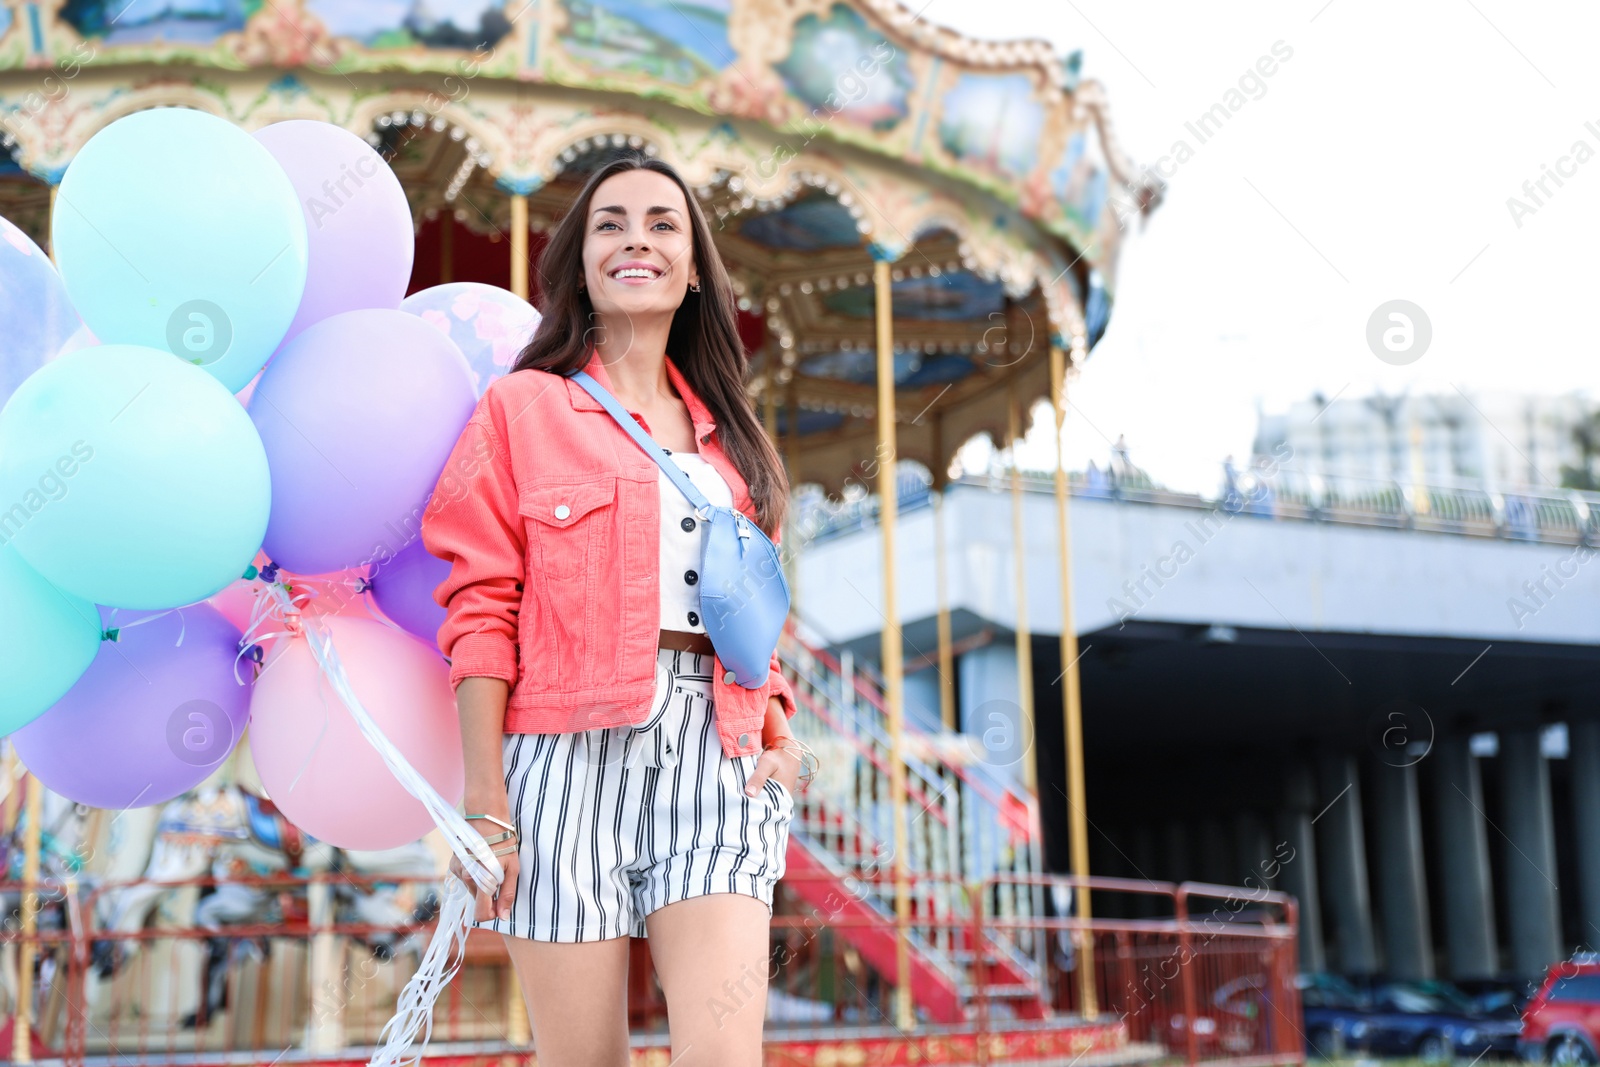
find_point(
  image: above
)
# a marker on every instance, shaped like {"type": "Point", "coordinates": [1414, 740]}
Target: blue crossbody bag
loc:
{"type": "Point", "coordinates": [744, 596]}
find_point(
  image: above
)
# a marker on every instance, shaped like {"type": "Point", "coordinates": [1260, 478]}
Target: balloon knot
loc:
{"type": "Point", "coordinates": [111, 634]}
{"type": "Point", "coordinates": [250, 572]}
{"type": "Point", "coordinates": [269, 573]}
{"type": "Point", "coordinates": [291, 622]}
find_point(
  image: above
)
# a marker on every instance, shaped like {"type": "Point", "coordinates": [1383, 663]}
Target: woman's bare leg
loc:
{"type": "Point", "coordinates": [577, 997]}
{"type": "Point", "coordinates": [711, 954]}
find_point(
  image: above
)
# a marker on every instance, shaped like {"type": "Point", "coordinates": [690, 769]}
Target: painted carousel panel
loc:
{"type": "Point", "coordinates": [676, 41]}
{"type": "Point", "coordinates": [993, 122]}
{"type": "Point", "coordinates": [127, 22]}
{"type": "Point", "coordinates": [840, 67]}
{"type": "Point", "coordinates": [403, 24]}
{"type": "Point", "coordinates": [1080, 179]}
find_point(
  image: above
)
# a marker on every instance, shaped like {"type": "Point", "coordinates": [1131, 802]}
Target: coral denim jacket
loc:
{"type": "Point", "coordinates": [549, 516]}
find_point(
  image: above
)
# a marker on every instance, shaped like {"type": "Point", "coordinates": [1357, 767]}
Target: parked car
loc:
{"type": "Point", "coordinates": [1561, 1022]}
{"type": "Point", "coordinates": [1431, 1021]}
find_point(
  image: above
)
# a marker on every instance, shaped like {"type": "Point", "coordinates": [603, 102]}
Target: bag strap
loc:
{"type": "Point", "coordinates": [645, 441]}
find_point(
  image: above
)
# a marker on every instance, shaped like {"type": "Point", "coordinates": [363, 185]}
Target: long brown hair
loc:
{"type": "Point", "coordinates": [703, 340]}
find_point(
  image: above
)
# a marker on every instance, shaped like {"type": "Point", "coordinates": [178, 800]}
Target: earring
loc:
{"type": "Point", "coordinates": [695, 287]}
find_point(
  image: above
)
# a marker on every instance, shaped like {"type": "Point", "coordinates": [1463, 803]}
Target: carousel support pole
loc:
{"type": "Point", "coordinates": [1030, 776]}
{"type": "Point", "coordinates": [893, 667]}
{"type": "Point", "coordinates": [941, 582]}
{"type": "Point", "coordinates": [791, 456]}
{"type": "Point", "coordinates": [519, 244]}
{"type": "Point", "coordinates": [769, 415]}
{"type": "Point", "coordinates": [22, 1019]}
{"type": "Point", "coordinates": [1077, 814]}
{"type": "Point", "coordinates": [447, 248]}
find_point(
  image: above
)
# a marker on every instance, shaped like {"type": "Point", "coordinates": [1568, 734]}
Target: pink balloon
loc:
{"type": "Point", "coordinates": [315, 763]}
{"type": "Point", "coordinates": [357, 219]}
{"type": "Point", "coordinates": [236, 602]}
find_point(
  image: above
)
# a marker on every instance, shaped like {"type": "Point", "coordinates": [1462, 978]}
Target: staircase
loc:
{"type": "Point", "coordinates": [964, 822]}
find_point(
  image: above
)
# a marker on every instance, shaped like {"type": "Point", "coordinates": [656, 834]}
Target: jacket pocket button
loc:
{"type": "Point", "coordinates": [562, 511]}
{"type": "Point", "coordinates": [729, 679]}
{"type": "Point", "coordinates": [744, 739]}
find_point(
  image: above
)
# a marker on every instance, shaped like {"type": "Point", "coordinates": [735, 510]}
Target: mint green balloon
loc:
{"type": "Point", "coordinates": [131, 478]}
{"type": "Point", "coordinates": [177, 230]}
{"type": "Point", "coordinates": [48, 638]}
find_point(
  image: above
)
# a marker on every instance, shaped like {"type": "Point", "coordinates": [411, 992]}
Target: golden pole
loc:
{"type": "Point", "coordinates": [1078, 812]}
{"type": "Point", "coordinates": [947, 659]}
{"type": "Point", "coordinates": [893, 668]}
{"type": "Point", "coordinates": [519, 245]}
{"type": "Point", "coordinates": [447, 248]}
{"type": "Point", "coordinates": [1030, 774]}
{"type": "Point", "coordinates": [22, 1035]}
{"type": "Point", "coordinates": [769, 413]}
{"type": "Point", "coordinates": [27, 951]}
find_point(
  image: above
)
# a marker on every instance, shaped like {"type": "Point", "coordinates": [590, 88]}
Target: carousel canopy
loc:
{"type": "Point", "coordinates": [820, 136]}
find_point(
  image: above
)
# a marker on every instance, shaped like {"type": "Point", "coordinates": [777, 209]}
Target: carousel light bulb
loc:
{"type": "Point", "coordinates": [618, 140]}
{"type": "Point", "coordinates": [861, 279]}
{"type": "Point", "coordinates": [439, 124]}
{"type": "Point", "coordinates": [634, 140]}
{"type": "Point", "coordinates": [398, 118]}
{"type": "Point", "coordinates": [805, 287]}
{"type": "Point", "coordinates": [419, 117]}
{"type": "Point", "coordinates": [457, 133]}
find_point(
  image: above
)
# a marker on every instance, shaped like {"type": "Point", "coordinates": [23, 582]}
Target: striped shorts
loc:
{"type": "Point", "coordinates": [617, 822]}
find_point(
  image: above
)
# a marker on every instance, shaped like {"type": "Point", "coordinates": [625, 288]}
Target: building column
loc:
{"type": "Point", "coordinates": [1402, 883]}
{"type": "Point", "coordinates": [1344, 864]}
{"type": "Point", "coordinates": [1529, 854]}
{"type": "Point", "coordinates": [1583, 763]}
{"type": "Point", "coordinates": [1256, 862]}
{"type": "Point", "coordinates": [1297, 870]}
{"type": "Point", "coordinates": [996, 723]}
{"type": "Point", "coordinates": [1467, 890]}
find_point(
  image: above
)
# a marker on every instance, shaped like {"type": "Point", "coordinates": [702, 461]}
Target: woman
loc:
{"type": "Point", "coordinates": [627, 786]}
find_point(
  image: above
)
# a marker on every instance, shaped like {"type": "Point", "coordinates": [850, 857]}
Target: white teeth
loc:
{"type": "Point", "coordinates": [635, 272]}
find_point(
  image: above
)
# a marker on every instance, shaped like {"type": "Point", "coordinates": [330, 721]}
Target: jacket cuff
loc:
{"type": "Point", "coordinates": [483, 655]}
{"type": "Point", "coordinates": [778, 686]}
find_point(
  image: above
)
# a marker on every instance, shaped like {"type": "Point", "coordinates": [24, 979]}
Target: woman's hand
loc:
{"type": "Point", "coordinates": [784, 764]}
{"type": "Point", "coordinates": [779, 763]}
{"type": "Point", "coordinates": [499, 905]}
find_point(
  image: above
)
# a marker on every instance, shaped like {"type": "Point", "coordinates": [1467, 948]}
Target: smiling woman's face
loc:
{"type": "Point", "coordinates": [638, 253]}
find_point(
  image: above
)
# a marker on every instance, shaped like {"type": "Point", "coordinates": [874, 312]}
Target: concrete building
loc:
{"type": "Point", "coordinates": [1391, 716]}
{"type": "Point", "coordinates": [1500, 441]}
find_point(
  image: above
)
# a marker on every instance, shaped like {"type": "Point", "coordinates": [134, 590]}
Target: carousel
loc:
{"type": "Point", "coordinates": [923, 233]}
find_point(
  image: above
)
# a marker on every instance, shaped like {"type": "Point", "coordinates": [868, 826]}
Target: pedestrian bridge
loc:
{"type": "Point", "coordinates": [1374, 566]}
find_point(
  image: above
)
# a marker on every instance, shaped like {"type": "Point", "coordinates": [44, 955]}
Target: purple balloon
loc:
{"type": "Point", "coordinates": [403, 588]}
{"type": "Point", "coordinates": [358, 415]}
{"type": "Point", "coordinates": [358, 222]}
{"type": "Point", "coordinates": [150, 719]}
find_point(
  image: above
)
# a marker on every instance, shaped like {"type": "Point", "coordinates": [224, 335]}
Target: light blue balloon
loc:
{"type": "Point", "coordinates": [178, 231]}
{"type": "Point", "coordinates": [38, 316]}
{"type": "Point", "coordinates": [48, 638]}
{"type": "Point", "coordinates": [131, 479]}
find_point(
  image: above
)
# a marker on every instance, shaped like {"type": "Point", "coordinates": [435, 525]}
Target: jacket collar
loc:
{"type": "Point", "coordinates": [699, 414]}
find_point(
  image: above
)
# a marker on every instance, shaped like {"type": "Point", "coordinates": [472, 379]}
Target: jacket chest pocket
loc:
{"type": "Point", "coordinates": [570, 523]}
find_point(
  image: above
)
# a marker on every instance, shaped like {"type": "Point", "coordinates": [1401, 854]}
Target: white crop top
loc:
{"type": "Point", "coordinates": [682, 540]}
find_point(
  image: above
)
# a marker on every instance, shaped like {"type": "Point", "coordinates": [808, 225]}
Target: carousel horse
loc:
{"type": "Point", "coordinates": [240, 841]}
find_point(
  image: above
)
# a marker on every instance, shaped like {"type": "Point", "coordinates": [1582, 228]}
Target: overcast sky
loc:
{"type": "Point", "coordinates": [1377, 165]}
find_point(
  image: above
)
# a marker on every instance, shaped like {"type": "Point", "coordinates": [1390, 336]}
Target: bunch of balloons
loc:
{"type": "Point", "coordinates": [223, 415]}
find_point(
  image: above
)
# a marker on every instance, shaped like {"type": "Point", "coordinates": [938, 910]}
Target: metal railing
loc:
{"type": "Point", "coordinates": [1198, 982]}
{"type": "Point", "coordinates": [961, 825]}
{"type": "Point", "coordinates": [1546, 515]}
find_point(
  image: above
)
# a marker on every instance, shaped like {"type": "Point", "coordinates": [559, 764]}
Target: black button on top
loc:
{"type": "Point", "coordinates": [688, 525]}
{"type": "Point", "coordinates": [694, 620]}
{"type": "Point", "coordinates": [668, 451]}
{"type": "Point", "coordinates": [691, 577]}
